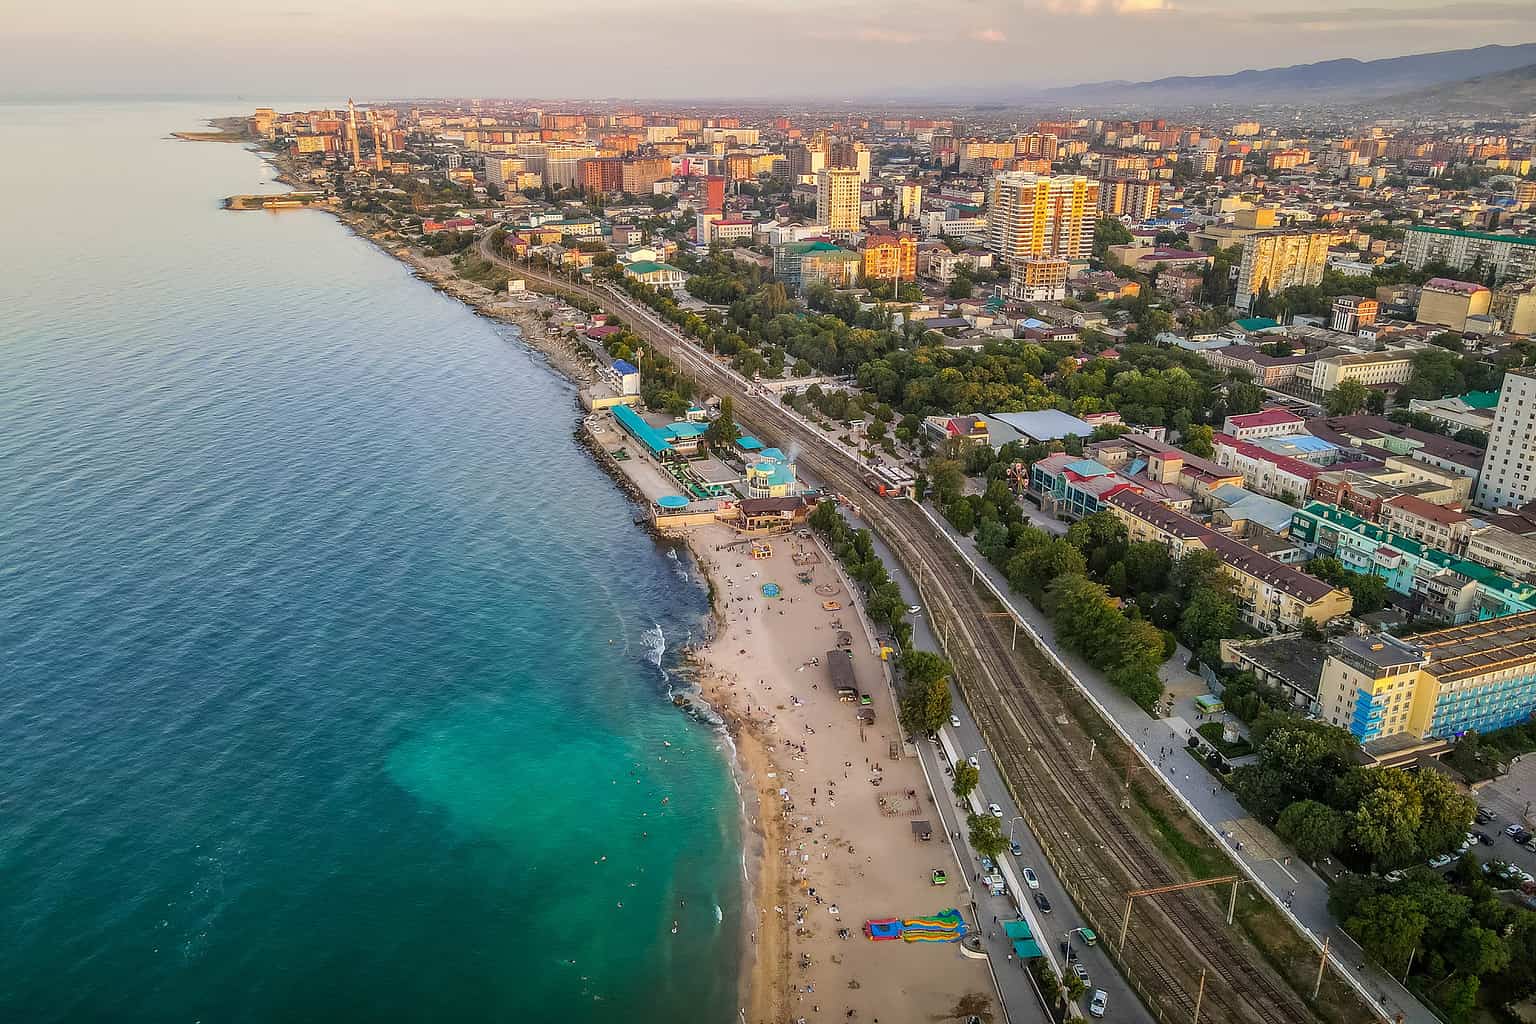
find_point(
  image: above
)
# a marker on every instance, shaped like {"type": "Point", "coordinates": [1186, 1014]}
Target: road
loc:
{"type": "Point", "coordinates": [1050, 929]}
{"type": "Point", "coordinates": [1263, 853]}
{"type": "Point", "coordinates": [1087, 824]}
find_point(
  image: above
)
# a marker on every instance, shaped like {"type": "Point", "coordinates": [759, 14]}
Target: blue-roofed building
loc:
{"type": "Point", "coordinates": [1072, 487]}
{"type": "Point", "coordinates": [1305, 447]}
{"type": "Point", "coordinates": [748, 443]}
{"type": "Point", "coordinates": [771, 475]}
{"type": "Point", "coordinates": [626, 377]}
{"type": "Point", "coordinates": [682, 438]}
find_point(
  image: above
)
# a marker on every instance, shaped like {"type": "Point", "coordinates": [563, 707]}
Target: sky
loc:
{"type": "Point", "coordinates": [673, 49]}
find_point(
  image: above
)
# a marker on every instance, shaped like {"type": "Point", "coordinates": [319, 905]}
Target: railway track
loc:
{"type": "Point", "coordinates": [1170, 941]}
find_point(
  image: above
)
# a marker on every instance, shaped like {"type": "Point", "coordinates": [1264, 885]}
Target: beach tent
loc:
{"type": "Point", "coordinates": [1024, 945]}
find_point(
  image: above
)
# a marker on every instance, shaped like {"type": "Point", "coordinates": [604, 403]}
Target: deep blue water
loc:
{"type": "Point", "coordinates": [327, 658]}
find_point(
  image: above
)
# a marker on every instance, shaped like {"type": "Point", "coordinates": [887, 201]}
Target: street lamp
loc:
{"type": "Point", "coordinates": [1016, 819]}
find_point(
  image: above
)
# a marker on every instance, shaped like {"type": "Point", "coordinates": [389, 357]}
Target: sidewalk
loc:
{"type": "Point", "coordinates": [1263, 854]}
{"type": "Point", "coordinates": [1051, 929]}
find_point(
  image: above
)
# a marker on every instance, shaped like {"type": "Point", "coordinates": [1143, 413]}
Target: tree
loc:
{"type": "Point", "coordinates": [722, 432]}
{"type": "Point", "coordinates": [1385, 823]}
{"type": "Point", "coordinates": [1074, 987]}
{"type": "Point", "coordinates": [1369, 593]}
{"type": "Point", "coordinates": [961, 287]}
{"type": "Point", "coordinates": [1389, 928]}
{"type": "Point", "coordinates": [966, 779]}
{"type": "Point", "coordinates": [1313, 828]}
{"type": "Point", "coordinates": [986, 833]}
{"type": "Point", "coordinates": [1108, 231]}
{"type": "Point", "coordinates": [926, 702]}
{"type": "Point", "coordinates": [1348, 398]}
{"type": "Point", "coordinates": [1197, 440]}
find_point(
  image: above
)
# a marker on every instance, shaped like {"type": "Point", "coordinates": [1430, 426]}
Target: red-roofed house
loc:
{"type": "Point", "coordinates": [1263, 471]}
{"type": "Point", "coordinates": [1270, 422]}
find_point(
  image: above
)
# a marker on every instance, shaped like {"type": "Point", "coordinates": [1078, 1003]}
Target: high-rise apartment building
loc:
{"type": "Point", "coordinates": [1502, 256]}
{"type": "Point", "coordinates": [909, 200]}
{"type": "Point", "coordinates": [600, 175]}
{"type": "Point", "coordinates": [1277, 260]}
{"type": "Point", "coordinates": [641, 173]}
{"type": "Point", "coordinates": [837, 200]}
{"type": "Point", "coordinates": [1032, 215]}
{"type": "Point", "coordinates": [1510, 463]}
{"type": "Point", "coordinates": [890, 258]}
{"type": "Point", "coordinates": [1129, 197]}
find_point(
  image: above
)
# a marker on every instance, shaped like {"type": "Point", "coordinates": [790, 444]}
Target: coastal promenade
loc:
{"type": "Point", "coordinates": [1170, 944]}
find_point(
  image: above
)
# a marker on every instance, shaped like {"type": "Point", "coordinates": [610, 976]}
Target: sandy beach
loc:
{"type": "Point", "coordinates": [835, 800]}
{"type": "Point", "coordinates": [830, 800]}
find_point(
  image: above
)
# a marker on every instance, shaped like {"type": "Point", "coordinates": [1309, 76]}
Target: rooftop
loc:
{"type": "Point", "coordinates": [1233, 552]}
{"type": "Point", "coordinates": [1479, 647]}
{"type": "Point", "coordinates": [1516, 239]}
{"type": "Point", "coordinates": [1045, 425]}
{"type": "Point", "coordinates": [1265, 418]}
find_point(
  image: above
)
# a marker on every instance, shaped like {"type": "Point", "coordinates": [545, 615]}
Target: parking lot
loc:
{"type": "Point", "coordinates": [1513, 800]}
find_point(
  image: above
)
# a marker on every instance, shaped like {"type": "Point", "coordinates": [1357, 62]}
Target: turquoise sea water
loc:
{"type": "Point", "coordinates": [329, 682]}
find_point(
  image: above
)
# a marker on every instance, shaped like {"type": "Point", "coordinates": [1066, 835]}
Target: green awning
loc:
{"type": "Point", "coordinates": [1026, 949]}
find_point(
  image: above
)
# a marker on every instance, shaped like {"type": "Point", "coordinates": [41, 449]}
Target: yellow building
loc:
{"type": "Point", "coordinates": [837, 201]}
{"type": "Point", "coordinates": [910, 200]}
{"type": "Point", "coordinates": [772, 475]}
{"type": "Point", "coordinates": [1032, 215]}
{"type": "Point", "coordinates": [1271, 595]}
{"type": "Point", "coordinates": [1478, 676]}
{"type": "Point", "coordinates": [1448, 303]}
{"type": "Point", "coordinates": [1515, 306]}
{"type": "Point", "coordinates": [890, 258]}
{"type": "Point", "coordinates": [1129, 197]}
{"type": "Point", "coordinates": [1277, 260]}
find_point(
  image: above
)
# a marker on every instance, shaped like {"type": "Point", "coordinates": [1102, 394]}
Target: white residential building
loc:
{"type": "Point", "coordinates": [1505, 481]}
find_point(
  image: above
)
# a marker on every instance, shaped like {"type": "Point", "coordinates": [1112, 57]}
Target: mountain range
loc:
{"type": "Point", "coordinates": [1325, 81]}
{"type": "Point", "coordinates": [1513, 90]}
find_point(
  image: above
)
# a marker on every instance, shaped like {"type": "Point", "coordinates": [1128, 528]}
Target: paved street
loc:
{"type": "Point", "coordinates": [1051, 929]}
{"type": "Point", "coordinates": [1262, 852]}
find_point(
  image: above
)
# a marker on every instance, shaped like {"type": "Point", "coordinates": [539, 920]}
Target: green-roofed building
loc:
{"type": "Point", "coordinates": [789, 260]}
{"type": "Point", "coordinates": [1503, 256]}
{"type": "Point", "coordinates": [1435, 583]}
{"type": "Point", "coordinates": [657, 275]}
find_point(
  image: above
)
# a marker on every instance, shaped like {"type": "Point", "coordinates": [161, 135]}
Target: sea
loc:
{"type": "Point", "coordinates": [334, 674]}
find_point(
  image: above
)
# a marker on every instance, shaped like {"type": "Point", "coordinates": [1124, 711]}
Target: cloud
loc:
{"type": "Point", "coordinates": [989, 35]}
{"type": "Point", "coordinates": [1463, 13]}
{"type": "Point", "coordinates": [1085, 8]}
{"type": "Point", "coordinates": [882, 35]}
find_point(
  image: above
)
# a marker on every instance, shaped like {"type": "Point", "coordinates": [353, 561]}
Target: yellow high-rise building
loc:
{"type": "Point", "coordinates": [1277, 260]}
{"type": "Point", "coordinates": [1032, 215]}
{"type": "Point", "coordinates": [837, 200]}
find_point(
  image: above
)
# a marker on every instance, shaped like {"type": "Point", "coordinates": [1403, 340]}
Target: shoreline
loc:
{"type": "Point", "coordinates": [769, 769]}
{"type": "Point", "coordinates": [748, 761]}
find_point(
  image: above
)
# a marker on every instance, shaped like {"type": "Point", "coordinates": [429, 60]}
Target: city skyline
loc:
{"type": "Point", "coordinates": [667, 51]}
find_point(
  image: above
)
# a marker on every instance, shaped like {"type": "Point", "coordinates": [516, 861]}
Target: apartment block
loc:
{"type": "Point", "coordinates": [1435, 583]}
{"type": "Point", "coordinates": [1276, 260]}
{"type": "Point", "coordinates": [837, 201]}
{"type": "Point", "coordinates": [1032, 216]}
{"type": "Point", "coordinates": [1503, 256]}
{"type": "Point", "coordinates": [1272, 596]}
{"type": "Point", "coordinates": [1447, 303]}
{"type": "Point", "coordinates": [1505, 481]}
{"type": "Point", "coordinates": [1438, 685]}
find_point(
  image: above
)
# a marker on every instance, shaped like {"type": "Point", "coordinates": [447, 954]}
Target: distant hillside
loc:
{"type": "Point", "coordinates": [1511, 91]}
{"type": "Point", "coordinates": [1329, 80]}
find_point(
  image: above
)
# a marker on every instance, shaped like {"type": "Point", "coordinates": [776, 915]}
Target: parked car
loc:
{"type": "Point", "coordinates": [1511, 830]}
{"type": "Point", "coordinates": [974, 762]}
{"type": "Point", "coordinates": [1081, 971]}
{"type": "Point", "coordinates": [1031, 879]}
{"type": "Point", "coordinates": [954, 721]}
{"type": "Point", "coordinates": [1068, 952]}
{"type": "Point", "coordinates": [997, 812]}
{"type": "Point", "coordinates": [1015, 849]}
{"type": "Point", "coordinates": [1484, 838]}
{"type": "Point", "coordinates": [1043, 903]}
{"type": "Point", "coordinates": [1100, 1002]}
{"type": "Point", "coordinates": [1441, 861]}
